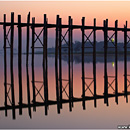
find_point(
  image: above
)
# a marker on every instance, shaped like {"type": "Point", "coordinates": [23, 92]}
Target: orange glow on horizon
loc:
{"type": "Point", "coordinates": [100, 10]}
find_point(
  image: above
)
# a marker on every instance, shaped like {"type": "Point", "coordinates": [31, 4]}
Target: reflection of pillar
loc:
{"type": "Point", "coordinates": [116, 69]}
{"type": "Point", "coordinates": [5, 65]}
{"type": "Point", "coordinates": [56, 65]}
{"type": "Point", "coordinates": [94, 61]}
{"type": "Point", "coordinates": [105, 63]}
{"type": "Point", "coordinates": [20, 63]}
{"type": "Point", "coordinates": [71, 60]}
{"type": "Point", "coordinates": [45, 75]}
{"type": "Point", "coordinates": [33, 78]}
{"type": "Point", "coordinates": [60, 63]}
{"type": "Point", "coordinates": [28, 22]}
{"type": "Point", "coordinates": [83, 75]}
{"type": "Point", "coordinates": [28, 92]}
{"type": "Point", "coordinates": [125, 61]}
{"type": "Point", "coordinates": [11, 63]}
{"type": "Point", "coordinates": [69, 65]}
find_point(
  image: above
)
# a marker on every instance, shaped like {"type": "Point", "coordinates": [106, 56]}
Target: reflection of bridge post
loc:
{"type": "Point", "coordinates": [70, 64]}
{"type": "Point", "coordinates": [5, 65]}
{"type": "Point", "coordinates": [28, 92]}
{"type": "Point", "coordinates": [45, 71]}
{"type": "Point", "coordinates": [20, 63]}
{"type": "Point", "coordinates": [94, 61]}
{"type": "Point", "coordinates": [93, 79]}
{"type": "Point", "coordinates": [33, 76]}
{"type": "Point", "coordinates": [27, 50]}
{"type": "Point", "coordinates": [56, 65]}
{"type": "Point", "coordinates": [71, 58]}
{"type": "Point", "coordinates": [11, 63]}
{"type": "Point", "coordinates": [60, 63]}
{"type": "Point", "coordinates": [105, 63]}
{"type": "Point", "coordinates": [83, 75]}
{"type": "Point", "coordinates": [116, 67]}
{"type": "Point", "coordinates": [125, 61]}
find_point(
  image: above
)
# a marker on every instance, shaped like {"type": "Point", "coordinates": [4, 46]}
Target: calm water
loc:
{"type": "Point", "coordinates": [101, 117]}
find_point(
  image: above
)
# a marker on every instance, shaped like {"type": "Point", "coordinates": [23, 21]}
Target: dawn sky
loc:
{"type": "Point", "coordinates": [101, 10]}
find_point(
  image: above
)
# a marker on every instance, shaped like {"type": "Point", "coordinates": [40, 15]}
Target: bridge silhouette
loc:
{"type": "Point", "coordinates": [60, 89]}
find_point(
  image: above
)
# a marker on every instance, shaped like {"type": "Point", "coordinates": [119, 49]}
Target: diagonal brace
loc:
{"type": "Point", "coordinates": [87, 38]}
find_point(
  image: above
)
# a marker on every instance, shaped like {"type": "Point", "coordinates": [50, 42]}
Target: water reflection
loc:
{"type": "Point", "coordinates": [36, 97]}
{"type": "Point", "coordinates": [77, 58]}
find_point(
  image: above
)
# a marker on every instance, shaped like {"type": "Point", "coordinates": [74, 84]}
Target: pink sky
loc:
{"type": "Point", "coordinates": [95, 9]}
{"type": "Point", "coordinates": [113, 10]}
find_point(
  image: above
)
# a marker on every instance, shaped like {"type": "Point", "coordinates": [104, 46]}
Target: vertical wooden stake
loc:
{"type": "Point", "coordinates": [116, 64]}
{"type": "Point", "coordinates": [11, 63]}
{"type": "Point", "coordinates": [28, 22]}
{"type": "Point", "coordinates": [20, 62]}
{"type": "Point", "coordinates": [105, 64]}
{"type": "Point", "coordinates": [125, 61]}
{"type": "Point", "coordinates": [45, 75]}
{"type": "Point", "coordinates": [83, 75]}
{"type": "Point", "coordinates": [71, 65]}
{"type": "Point", "coordinates": [33, 76]}
{"type": "Point", "coordinates": [56, 64]}
{"type": "Point", "coordinates": [5, 65]}
{"type": "Point", "coordinates": [94, 62]}
{"type": "Point", "coordinates": [60, 62]}
{"type": "Point", "coordinates": [69, 73]}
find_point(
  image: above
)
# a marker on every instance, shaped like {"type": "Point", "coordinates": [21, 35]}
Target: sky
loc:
{"type": "Point", "coordinates": [101, 10]}
{"type": "Point", "coordinates": [90, 9]}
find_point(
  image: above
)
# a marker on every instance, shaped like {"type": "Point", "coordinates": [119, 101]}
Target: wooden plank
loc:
{"type": "Point", "coordinates": [65, 26]}
{"type": "Point", "coordinates": [87, 98]}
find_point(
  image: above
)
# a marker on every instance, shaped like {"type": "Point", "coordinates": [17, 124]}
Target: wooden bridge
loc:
{"type": "Point", "coordinates": [60, 89]}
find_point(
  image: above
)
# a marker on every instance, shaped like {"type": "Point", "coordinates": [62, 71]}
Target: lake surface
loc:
{"type": "Point", "coordinates": [101, 117]}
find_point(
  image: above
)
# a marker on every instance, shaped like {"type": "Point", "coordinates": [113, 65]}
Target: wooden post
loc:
{"type": "Point", "coordinates": [71, 65]}
{"type": "Point", "coordinates": [83, 75]}
{"type": "Point", "coordinates": [28, 22]}
{"type": "Point", "coordinates": [11, 64]}
{"type": "Point", "coordinates": [69, 73]}
{"type": "Point", "coordinates": [60, 62]}
{"type": "Point", "coordinates": [56, 65]}
{"type": "Point", "coordinates": [116, 64]}
{"type": "Point", "coordinates": [33, 76]}
{"type": "Point", "coordinates": [125, 61]}
{"type": "Point", "coordinates": [94, 61]}
{"type": "Point", "coordinates": [45, 64]}
{"type": "Point", "coordinates": [5, 64]}
{"type": "Point", "coordinates": [105, 63]}
{"type": "Point", "coordinates": [20, 62]}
